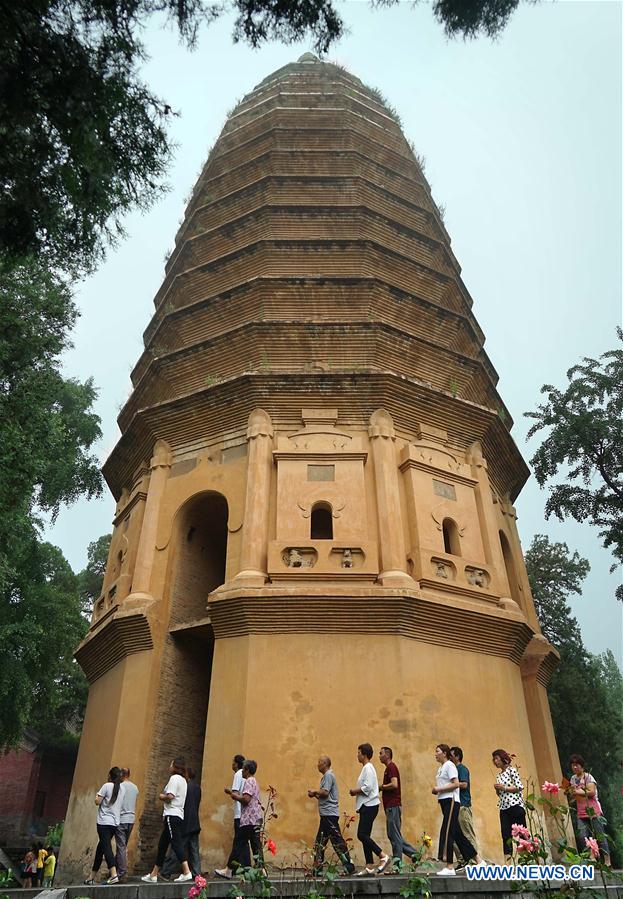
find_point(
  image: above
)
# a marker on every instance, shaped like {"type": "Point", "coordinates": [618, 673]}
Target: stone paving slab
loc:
{"type": "Point", "coordinates": [284, 888]}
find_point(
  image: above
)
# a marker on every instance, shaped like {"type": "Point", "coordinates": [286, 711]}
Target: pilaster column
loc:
{"type": "Point", "coordinates": [488, 524]}
{"type": "Point", "coordinates": [160, 466]}
{"type": "Point", "coordinates": [520, 566]}
{"type": "Point", "coordinates": [391, 536]}
{"type": "Point", "coordinates": [257, 504]}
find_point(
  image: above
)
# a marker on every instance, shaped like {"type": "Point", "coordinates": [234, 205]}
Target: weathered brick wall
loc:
{"type": "Point", "coordinates": [19, 771]}
{"type": "Point", "coordinates": [181, 712]}
{"type": "Point", "coordinates": [55, 777]}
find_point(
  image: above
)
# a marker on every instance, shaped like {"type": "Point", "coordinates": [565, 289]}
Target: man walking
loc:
{"type": "Point", "coordinates": [392, 805]}
{"type": "Point", "coordinates": [236, 787]}
{"type": "Point", "coordinates": [127, 816]}
{"type": "Point", "coordinates": [466, 819]}
{"type": "Point", "coordinates": [329, 829]}
{"type": "Point", "coordinates": [191, 830]}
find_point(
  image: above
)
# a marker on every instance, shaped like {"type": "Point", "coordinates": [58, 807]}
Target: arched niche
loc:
{"type": "Point", "coordinates": [451, 539]}
{"type": "Point", "coordinates": [199, 556]}
{"type": "Point", "coordinates": [321, 521]}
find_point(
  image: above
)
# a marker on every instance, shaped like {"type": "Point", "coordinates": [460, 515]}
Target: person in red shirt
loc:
{"type": "Point", "coordinates": [392, 805]}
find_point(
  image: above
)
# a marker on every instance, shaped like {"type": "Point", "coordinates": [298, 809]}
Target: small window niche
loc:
{"type": "Point", "coordinates": [451, 541]}
{"type": "Point", "coordinates": [321, 522]}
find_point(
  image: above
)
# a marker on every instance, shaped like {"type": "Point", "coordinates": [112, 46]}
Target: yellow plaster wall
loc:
{"type": "Point", "coordinates": [283, 700]}
{"type": "Point", "coordinates": [117, 727]}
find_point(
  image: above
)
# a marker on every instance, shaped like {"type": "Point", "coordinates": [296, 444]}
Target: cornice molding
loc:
{"type": "Point", "coordinates": [118, 637]}
{"type": "Point", "coordinates": [374, 610]}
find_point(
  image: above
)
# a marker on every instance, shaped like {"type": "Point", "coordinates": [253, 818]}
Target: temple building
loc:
{"type": "Point", "coordinates": [314, 540]}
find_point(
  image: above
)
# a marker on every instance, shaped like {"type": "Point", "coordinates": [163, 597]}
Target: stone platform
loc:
{"type": "Point", "coordinates": [300, 887]}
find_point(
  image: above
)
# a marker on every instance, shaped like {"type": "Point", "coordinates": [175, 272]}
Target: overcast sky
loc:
{"type": "Point", "coordinates": [522, 140]}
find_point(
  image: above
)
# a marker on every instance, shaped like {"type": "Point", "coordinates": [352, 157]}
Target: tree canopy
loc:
{"type": "Point", "coordinates": [584, 444]}
{"type": "Point", "coordinates": [40, 626]}
{"type": "Point", "coordinates": [90, 580]}
{"type": "Point", "coordinates": [44, 614]}
{"type": "Point", "coordinates": [47, 429]}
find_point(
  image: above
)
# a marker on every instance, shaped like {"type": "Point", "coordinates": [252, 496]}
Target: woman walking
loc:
{"type": "Point", "coordinates": [108, 802]}
{"type": "Point", "coordinates": [251, 818]}
{"type": "Point", "coordinates": [509, 787]}
{"type": "Point", "coordinates": [447, 791]}
{"type": "Point", "coordinates": [583, 791]}
{"type": "Point", "coordinates": [173, 796]}
{"type": "Point", "coordinates": [367, 807]}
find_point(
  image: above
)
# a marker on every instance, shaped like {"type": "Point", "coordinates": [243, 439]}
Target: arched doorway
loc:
{"type": "Point", "coordinates": [197, 566]}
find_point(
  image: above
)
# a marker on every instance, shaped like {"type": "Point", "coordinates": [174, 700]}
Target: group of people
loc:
{"type": "Point", "coordinates": [38, 866]}
{"type": "Point", "coordinates": [116, 813]}
{"type": "Point", "coordinates": [116, 801]}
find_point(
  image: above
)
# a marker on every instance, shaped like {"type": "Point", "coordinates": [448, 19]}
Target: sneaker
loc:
{"type": "Point", "coordinates": [149, 878]}
{"type": "Point", "coordinates": [225, 873]}
{"type": "Point", "coordinates": [385, 860]}
{"type": "Point", "coordinates": [112, 880]}
{"type": "Point", "coordinates": [446, 872]}
{"type": "Point", "coordinates": [349, 871]}
{"type": "Point", "coordinates": [367, 872]}
{"type": "Point", "coordinates": [183, 878]}
{"type": "Point", "coordinates": [90, 881]}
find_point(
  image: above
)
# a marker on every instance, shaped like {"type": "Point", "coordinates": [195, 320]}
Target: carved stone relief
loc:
{"type": "Point", "coordinates": [477, 577]}
{"type": "Point", "coordinates": [299, 557]}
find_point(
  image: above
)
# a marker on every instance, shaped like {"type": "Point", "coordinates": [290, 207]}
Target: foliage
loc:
{"type": "Point", "coordinates": [83, 139]}
{"type": "Point", "coordinates": [586, 691]}
{"type": "Point", "coordinates": [554, 575]}
{"type": "Point", "coordinates": [252, 882]}
{"type": "Point", "coordinates": [585, 444]}
{"type": "Point", "coordinates": [90, 579]}
{"type": "Point", "coordinates": [469, 18]}
{"type": "Point", "coordinates": [47, 428]}
{"type": "Point", "coordinates": [532, 845]}
{"type": "Point", "coordinates": [418, 883]}
{"type": "Point", "coordinates": [54, 834]}
{"type": "Point", "coordinates": [46, 423]}
{"type": "Point", "coordinates": [40, 625]}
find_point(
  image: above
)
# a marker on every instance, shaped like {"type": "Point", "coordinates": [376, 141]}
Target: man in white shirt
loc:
{"type": "Point", "coordinates": [367, 806]}
{"type": "Point", "coordinates": [127, 817]}
{"type": "Point", "coordinates": [236, 787]}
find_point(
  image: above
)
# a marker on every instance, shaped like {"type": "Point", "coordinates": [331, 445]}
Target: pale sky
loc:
{"type": "Point", "coordinates": [522, 140]}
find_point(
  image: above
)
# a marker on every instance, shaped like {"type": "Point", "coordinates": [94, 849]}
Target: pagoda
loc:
{"type": "Point", "coordinates": [314, 540]}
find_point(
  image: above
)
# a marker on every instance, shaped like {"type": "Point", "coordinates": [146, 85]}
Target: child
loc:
{"type": "Point", "coordinates": [49, 867]}
{"type": "Point", "coordinates": [29, 868]}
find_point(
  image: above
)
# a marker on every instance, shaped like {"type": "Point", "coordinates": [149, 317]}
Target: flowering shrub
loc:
{"type": "Point", "coordinates": [199, 889]}
{"type": "Point", "coordinates": [532, 845]}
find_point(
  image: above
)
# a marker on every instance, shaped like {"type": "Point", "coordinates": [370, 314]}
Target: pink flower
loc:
{"type": "Point", "coordinates": [593, 845]}
{"type": "Point", "coordinates": [548, 787]}
{"type": "Point", "coordinates": [525, 845]}
{"type": "Point", "coordinates": [518, 830]}
{"type": "Point", "coordinates": [201, 881]}
{"type": "Point", "coordinates": [193, 892]}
